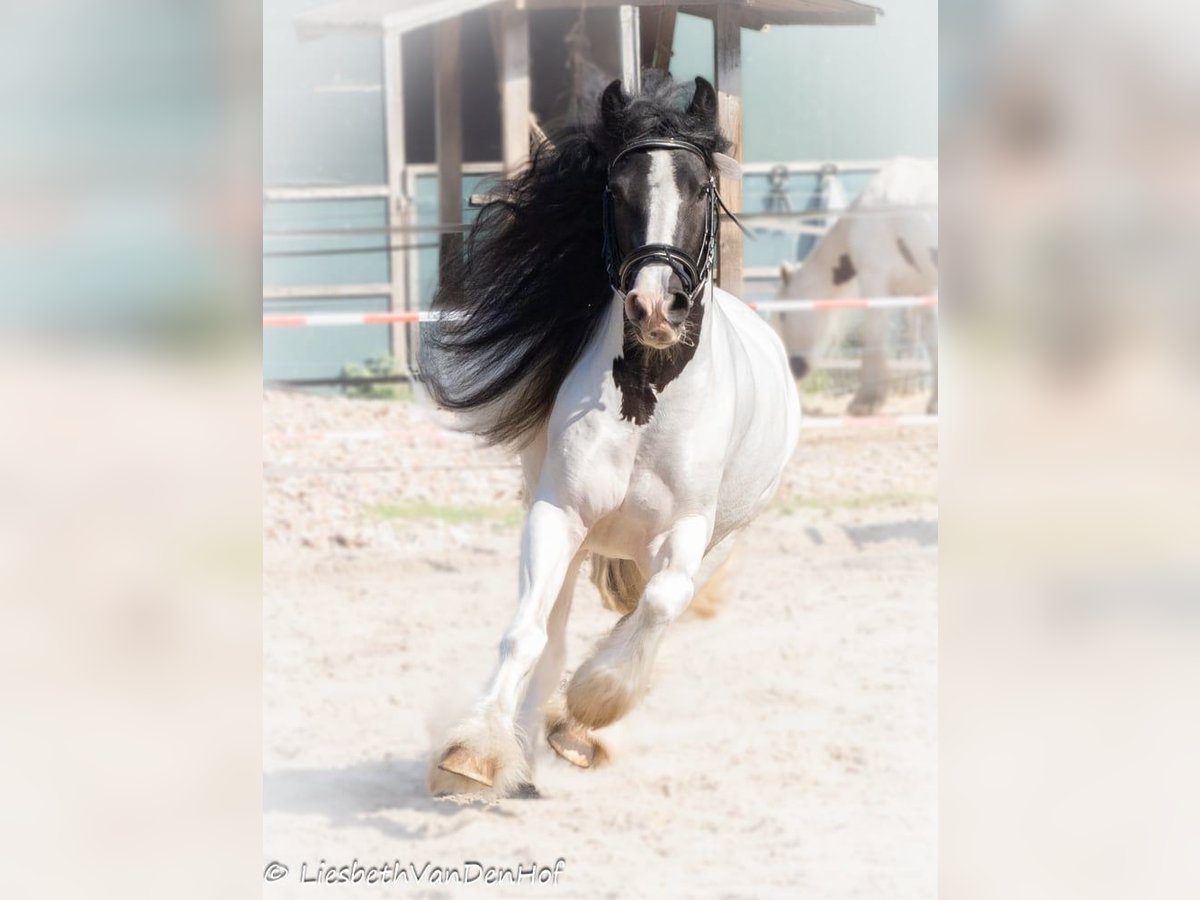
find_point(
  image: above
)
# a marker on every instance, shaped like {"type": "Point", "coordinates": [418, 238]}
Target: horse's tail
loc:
{"type": "Point", "coordinates": [621, 584]}
{"type": "Point", "coordinates": [619, 581]}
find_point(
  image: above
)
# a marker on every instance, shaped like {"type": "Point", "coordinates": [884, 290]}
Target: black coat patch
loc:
{"type": "Point", "coordinates": [642, 372]}
{"type": "Point", "coordinates": [844, 270]}
{"type": "Point", "coordinates": [907, 254]}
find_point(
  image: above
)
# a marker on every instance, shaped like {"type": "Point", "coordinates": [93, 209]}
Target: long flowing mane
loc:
{"type": "Point", "coordinates": [531, 288]}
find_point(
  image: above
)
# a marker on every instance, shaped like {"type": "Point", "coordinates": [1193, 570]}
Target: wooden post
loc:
{"type": "Point", "coordinates": [658, 37]}
{"type": "Point", "coordinates": [397, 200]}
{"type": "Point", "coordinates": [631, 50]}
{"type": "Point", "coordinates": [728, 47]}
{"type": "Point", "coordinates": [514, 88]}
{"type": "Point", "coordinates": [447, 90]}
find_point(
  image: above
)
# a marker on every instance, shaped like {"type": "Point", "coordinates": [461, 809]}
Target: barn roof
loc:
{"type": "Point", "coordinates": [404, 15]}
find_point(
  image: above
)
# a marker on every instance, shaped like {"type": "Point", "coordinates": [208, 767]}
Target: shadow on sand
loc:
{"type": "Point", "coordinates": [923, 532]}
{"type": "Point", "coordinates": [360, 796]}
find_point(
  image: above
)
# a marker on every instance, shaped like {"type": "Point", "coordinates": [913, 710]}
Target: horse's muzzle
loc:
{"type": "Point", "coordinates": [658, 317]}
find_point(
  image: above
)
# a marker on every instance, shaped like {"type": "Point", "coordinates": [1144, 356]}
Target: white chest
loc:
{"type": "Point", "coordinates": [713, 447]}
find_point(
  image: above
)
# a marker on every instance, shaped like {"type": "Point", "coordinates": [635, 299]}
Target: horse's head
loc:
{"type": "Point", "coordinates": [661, 211]}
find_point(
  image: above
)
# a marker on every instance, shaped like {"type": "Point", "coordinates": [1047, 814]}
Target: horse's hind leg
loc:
{"type": "Point", "coordinates": [617, 674]}
{"type": "Point", "coordinates": [483, 754]}
{"type": "Point", "coordinates": [572, 741]}
{"type": "Point", "coordinates": [712, 581]}
{"type": "Point", "coordinates": [620, 584]}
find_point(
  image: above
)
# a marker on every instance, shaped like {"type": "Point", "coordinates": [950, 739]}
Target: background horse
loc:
{"type": "Point", "coordinates": [654, 412]}
{"type": "Point", "coordinates": [867, 254]}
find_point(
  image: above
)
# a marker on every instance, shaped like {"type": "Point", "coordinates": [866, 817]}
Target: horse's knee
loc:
{"type": "Point", "coordinates": [667, 596]}
{"type": "Point", "coordinates": [523, 644]}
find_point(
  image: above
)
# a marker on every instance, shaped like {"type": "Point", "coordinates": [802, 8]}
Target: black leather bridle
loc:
{"type": "Point", "coordinates": [693, 272]}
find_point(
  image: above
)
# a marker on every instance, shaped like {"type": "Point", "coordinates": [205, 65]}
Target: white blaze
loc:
{"type": "Point", "coordinates": [663, 220]}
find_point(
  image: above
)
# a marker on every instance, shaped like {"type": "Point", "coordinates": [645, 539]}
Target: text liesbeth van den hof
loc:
{"type": "Point", "coordinates": [395, 872]}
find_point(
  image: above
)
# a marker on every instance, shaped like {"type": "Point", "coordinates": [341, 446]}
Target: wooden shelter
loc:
{"type": "Point", "coordinates": [646, 35]}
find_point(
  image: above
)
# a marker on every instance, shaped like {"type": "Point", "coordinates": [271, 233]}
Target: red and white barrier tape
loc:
{"type": "Point", "coordinates": [311, 320]}
{"type": "Point", "coordinates": [843, 303]}
{"type": "Point", "coordinates": [298, 320]}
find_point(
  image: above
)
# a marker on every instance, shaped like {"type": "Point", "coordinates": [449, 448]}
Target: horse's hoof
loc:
{"type": "Point", "coordinates": [461, 761]}
{"type": "Point", "coordinates": [525, 791]}
{"type": "Point", "coordinates": [573, 743]}
{"type": "Point", "coordinates": [481, 757]}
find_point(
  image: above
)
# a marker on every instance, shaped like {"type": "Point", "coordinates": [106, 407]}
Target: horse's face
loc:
{"type": "Point", "coordinates": [659, 197]}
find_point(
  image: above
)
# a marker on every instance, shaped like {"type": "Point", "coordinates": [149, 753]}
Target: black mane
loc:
{"type": "Point", "coordinates": [531, 286]}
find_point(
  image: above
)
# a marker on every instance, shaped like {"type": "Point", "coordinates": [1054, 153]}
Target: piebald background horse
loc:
{"type": "Point", "coordinates": [879, 250]}
{"type": "Point", "coordinates": [654, 412]}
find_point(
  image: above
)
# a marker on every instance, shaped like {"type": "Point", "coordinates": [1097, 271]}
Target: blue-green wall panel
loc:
{"type": "Point", "coordinates": [831, 92]}
{"type": "Point", "coordinates": [327, 258]}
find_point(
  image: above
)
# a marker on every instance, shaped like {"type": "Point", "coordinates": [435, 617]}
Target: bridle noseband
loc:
{"type": "Point", "coordinates": [693, 273]}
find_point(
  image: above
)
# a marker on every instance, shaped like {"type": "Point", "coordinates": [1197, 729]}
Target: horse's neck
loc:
{"type": "Point", "coordinates": [816, 276]}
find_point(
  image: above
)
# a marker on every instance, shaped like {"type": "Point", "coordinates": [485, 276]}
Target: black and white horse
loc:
{"type": "Point", "coordinates": [654, 412]}
{"type": "Point", "coordinates": [865, 255]}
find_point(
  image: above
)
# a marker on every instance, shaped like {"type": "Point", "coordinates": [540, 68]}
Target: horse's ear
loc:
{"type": "Point", "coordinates": [727, 167]}
{"type": "Point", "coordinates": [612, 103]}
{"type": "Point", "coordinates": [704, 102]}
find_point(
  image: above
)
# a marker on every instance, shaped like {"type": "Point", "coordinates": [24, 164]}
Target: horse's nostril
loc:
{"type": "Point", "coordinates": [679, 303]}
{"type": "Point", "coordinates": [637, 309]}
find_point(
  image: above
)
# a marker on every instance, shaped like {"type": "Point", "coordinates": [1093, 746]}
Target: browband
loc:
{"type": "Point", "coordinates": [653, 143]}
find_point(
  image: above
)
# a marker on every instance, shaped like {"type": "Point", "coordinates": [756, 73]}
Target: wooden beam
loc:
{"type": "Point", "coordinates": [658, 37]}
{"type": "Point", "coordinates": [448, 137]}
{"type": "Point", "coordinates": [514, 88]}
{"type": "Point", "coordinates": [759, 16]}
{"type": "Point", "coordinates": [728, 68]}
{"type": "Point", "coordinates": [631, 49]}
{"type": "Point", "coordinates": [397, 200]}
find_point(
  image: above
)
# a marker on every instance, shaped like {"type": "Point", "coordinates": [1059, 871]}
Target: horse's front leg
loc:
{"type": "Point", "coordinates": [873, 379]}
{"type": "Point", "coordinates": [544, 681]}
{"type": "Point", "coordinates": [929, 330]}
{"type": "Point", "coordinates": [483, 753]}
{"type": "Point", "coordinates": [617, 674]}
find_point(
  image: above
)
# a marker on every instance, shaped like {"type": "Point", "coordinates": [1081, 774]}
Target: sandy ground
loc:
{"type": "Point", "coordinates": [787, 747]}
